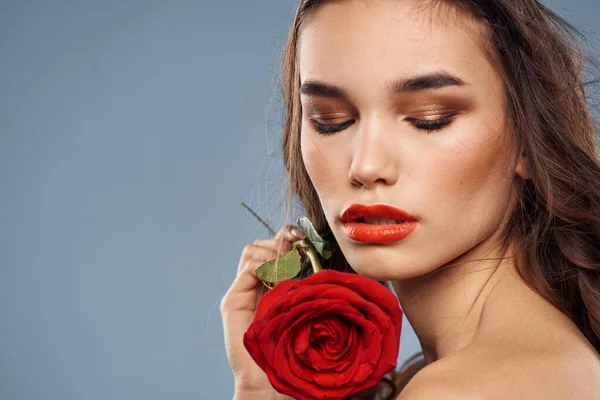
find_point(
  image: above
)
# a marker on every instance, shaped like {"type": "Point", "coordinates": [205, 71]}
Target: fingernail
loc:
{"type": "Point", "coordinates": [299, 234]}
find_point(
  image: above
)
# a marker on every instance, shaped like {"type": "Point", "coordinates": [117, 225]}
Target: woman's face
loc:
{"type": "Point", "coordinates": [420, 116]}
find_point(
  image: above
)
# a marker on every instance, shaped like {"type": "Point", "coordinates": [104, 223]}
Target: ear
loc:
{"type": "Point", "coordinates": [522, 167]}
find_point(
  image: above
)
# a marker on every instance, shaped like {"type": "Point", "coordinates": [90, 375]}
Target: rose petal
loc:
{"type": "Point", "coordinates": [272, 297]}
{"type": "Point", "coordinates": [373, 312]}
{"type": "Point", "coordinates": [301, 342]}
{"type": "Point", "coordinates": [283, 370]}
{"type": "Point", "coordinates": [312, 353]}
{"type": "Point", "coordinates": [328, 330]}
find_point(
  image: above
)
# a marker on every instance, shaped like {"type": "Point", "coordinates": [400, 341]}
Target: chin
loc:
{"type": "Point", "coordinates": [389, 275]}
{"type": "Point", "coordinates": [384, 263]}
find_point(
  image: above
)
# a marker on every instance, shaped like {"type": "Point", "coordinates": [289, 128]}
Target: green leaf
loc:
{"type": "Point", "coordinates": [285, 267]}
{"type": "Point", "coordinates": [326, 254]}
{"type": "Point", "coordinates": [311, 233]}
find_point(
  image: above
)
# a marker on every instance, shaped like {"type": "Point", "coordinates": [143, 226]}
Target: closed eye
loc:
{"type": "Point", "coordinates": [329, 128]}
{"type": "Point", "coordinates": [420, 124]}
{"type": "Point", "coordinates": [431, 125]}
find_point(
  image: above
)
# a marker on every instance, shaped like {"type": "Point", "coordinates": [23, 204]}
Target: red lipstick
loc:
{"type": "Point", "coordinates": [377, 223]}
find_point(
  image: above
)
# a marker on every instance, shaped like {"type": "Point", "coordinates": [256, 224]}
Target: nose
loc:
{"type": "Point", "coordinates": [374, 160]}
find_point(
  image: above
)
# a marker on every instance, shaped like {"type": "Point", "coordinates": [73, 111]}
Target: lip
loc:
{"type": "Point", "coordinates": [362, 232]}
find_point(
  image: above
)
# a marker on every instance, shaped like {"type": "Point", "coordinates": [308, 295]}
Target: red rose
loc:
{"type": "Point", "coordinates": [328, 336]}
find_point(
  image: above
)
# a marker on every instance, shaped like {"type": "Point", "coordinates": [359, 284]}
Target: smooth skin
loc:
{"type": "Point", "coordinates": [484, 333]}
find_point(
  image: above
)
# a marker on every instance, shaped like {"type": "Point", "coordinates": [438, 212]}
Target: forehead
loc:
{"type": "Point", "coordinates": [350, 42]}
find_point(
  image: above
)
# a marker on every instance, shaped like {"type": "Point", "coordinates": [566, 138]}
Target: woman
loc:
{"type": "Point", "coordinates": [471, 118]}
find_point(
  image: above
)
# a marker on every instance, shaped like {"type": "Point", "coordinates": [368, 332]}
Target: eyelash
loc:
{"type": "Point", "coordinates": [420, 124]}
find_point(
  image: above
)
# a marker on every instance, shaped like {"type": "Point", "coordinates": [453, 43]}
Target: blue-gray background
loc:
{"type": "Point", "coordinates": [129, 133]}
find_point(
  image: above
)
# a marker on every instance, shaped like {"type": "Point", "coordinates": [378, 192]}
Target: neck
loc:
{"type": "Point", "coordinates": [446, 306]}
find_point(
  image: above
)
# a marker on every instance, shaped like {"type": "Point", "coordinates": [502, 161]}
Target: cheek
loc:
{"type": "Point", "coordinates": [324, 162]}
{"type": "Point", "coordinates": [473, 176]}
{"type": "Point", "coordinates": [326, 159]}
{"type": "Point", "coordinates": [311, 159]}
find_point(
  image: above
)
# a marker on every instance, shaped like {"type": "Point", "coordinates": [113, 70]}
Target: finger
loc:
{"type": "Point", "coordinates": [242, 293]}
{"type": "Point", "coordinates": [289, 232]}
{"type": "Point", "coordinates": [281, 245]}
{"type": "Point", "coordinates": [259, 254]}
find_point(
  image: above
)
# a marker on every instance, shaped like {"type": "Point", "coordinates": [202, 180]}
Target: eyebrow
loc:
{"type": "Point", "coordinates": [434, 80]}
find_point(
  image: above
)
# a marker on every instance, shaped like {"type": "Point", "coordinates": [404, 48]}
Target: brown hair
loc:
{"type": "Point", "coordinates": [555, 226]}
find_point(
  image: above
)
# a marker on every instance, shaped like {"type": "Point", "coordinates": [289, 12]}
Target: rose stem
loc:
{"type": "Point", "coordinates": [262, 221]}
{"type": "Point", "coordinates": [314, 259]}
{"type": "Point", "coordinates": [310, 251]}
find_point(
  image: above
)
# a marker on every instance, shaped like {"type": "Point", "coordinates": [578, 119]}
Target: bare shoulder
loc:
{"type": "Point", "coordinates": [437, 381]}
{"type": "Point", "coordinates": [491, 373]}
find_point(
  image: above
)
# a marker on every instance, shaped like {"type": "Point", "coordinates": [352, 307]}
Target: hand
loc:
{"type": "Point", "coordinates": [238, 307]}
